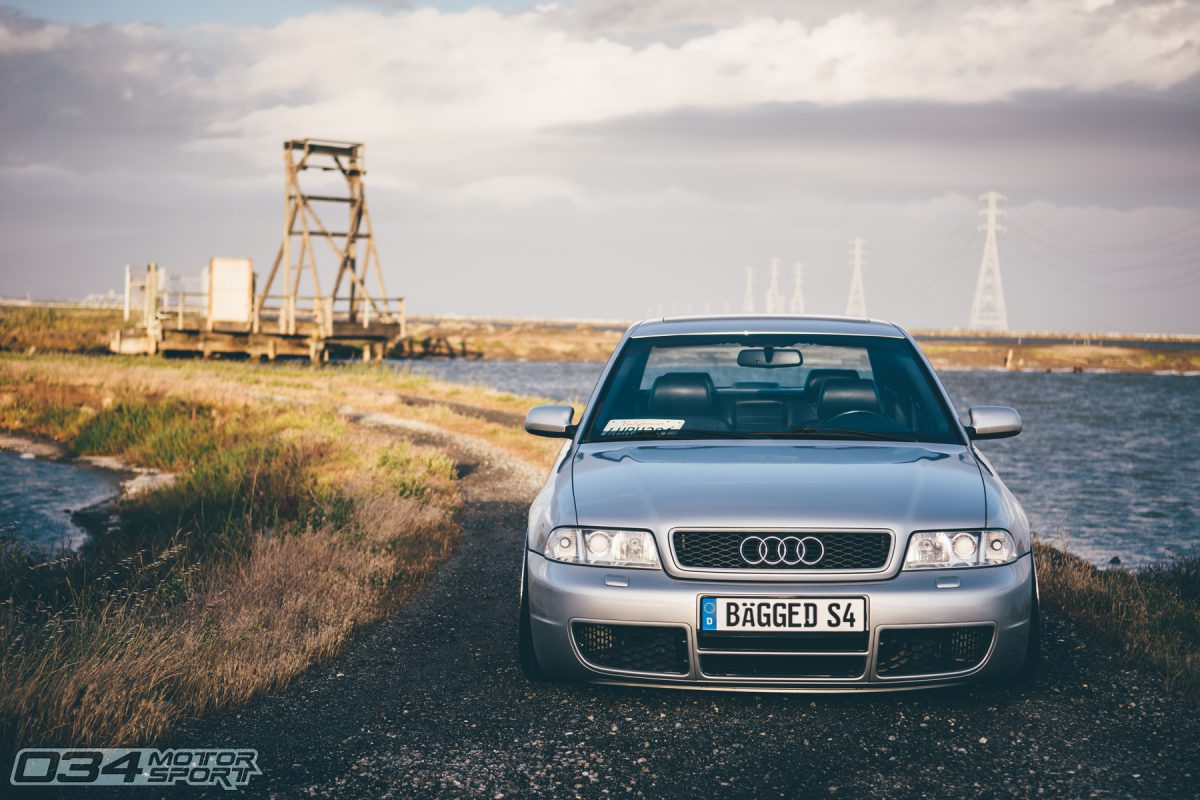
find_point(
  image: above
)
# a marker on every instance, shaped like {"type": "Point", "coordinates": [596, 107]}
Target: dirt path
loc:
{"type": "Point", "coordinates": [430, 703]}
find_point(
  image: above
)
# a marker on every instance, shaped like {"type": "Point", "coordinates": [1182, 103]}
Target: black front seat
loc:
{"type": "Point", "coordinates": [689, 396]}
{"type": "Point", "coordinates": [839, 395]}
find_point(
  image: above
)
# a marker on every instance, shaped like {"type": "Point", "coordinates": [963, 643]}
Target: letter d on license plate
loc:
{"type": "Point", "coordinates": [783, 614]}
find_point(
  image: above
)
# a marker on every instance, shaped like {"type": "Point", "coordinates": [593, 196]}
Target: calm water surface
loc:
{"type": "Point", "coordinates": [1107, 464]}
{"type": "Point", "coordinates": [38, 496]}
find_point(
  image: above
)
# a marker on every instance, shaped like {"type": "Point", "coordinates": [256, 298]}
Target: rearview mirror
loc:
{"type": "Point", "coordinates": [993, 422]}
{"type": "Point", "coordinates": [550, 421]}
{"type": "Point", "coordinates": [769, 357]}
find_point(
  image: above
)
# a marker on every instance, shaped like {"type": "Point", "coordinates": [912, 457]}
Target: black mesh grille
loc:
{"type": "Point", "coordinates": [633, 648]}
{"type": "Point", "coordinates": [782, 666]}
{"type": "Point", "coordinates": [723, 550]}
{"type": "Point", "coordinates": [929, 651]}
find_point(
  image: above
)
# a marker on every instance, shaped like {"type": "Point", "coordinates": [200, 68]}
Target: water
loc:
{"type": "Point", "coordinates": [1108, 464]}
{"type": "Point", "coordinates": [565, 381]}
{"type": "Point", "coordinates": [38, 496]}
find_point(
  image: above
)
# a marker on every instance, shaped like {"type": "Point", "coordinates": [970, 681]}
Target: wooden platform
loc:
{"type": "Point", "coordinates": [371, 343]}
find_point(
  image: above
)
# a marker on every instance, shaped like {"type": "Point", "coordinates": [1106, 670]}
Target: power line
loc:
{"type": "Point", "coordinates": [1157, 241]}
{"type": "Point", "coordinates": [1047, 274]}
{"type": "Point", "coordinates": [1181, 256]}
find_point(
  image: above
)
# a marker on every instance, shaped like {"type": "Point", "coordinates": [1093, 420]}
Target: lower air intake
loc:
{"type": "Point", "coordinates": [633, 648]}
{"type": "Point", "coordinates": [932, 651]}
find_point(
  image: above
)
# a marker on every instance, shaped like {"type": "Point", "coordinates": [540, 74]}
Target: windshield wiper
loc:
{"type": "Point", "coordinates": [853, 433]}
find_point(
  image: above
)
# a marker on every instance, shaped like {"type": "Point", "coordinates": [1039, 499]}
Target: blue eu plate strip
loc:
{"type": "Point", "coordinates": [708, 613]}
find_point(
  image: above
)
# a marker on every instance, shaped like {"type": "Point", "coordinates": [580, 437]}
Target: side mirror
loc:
{"type": "Point", "coordinates": [551, 421]}
{"type": "Point", "coordinates": [993, 422]}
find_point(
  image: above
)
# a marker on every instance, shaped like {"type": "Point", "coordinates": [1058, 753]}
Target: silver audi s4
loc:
{"type": "Point", "coordinates": [775, 503]}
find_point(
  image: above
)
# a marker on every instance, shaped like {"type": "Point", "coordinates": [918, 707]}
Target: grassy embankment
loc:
{"type": "Point", "coordinates": [1152, 616]}
{"type": "Point", "coordinates": [286, 529]}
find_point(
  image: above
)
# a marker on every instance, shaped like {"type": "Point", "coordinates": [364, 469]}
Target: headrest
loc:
{"type": "Point", "coordinates": [839, 395]}
{"type": "Point", "coordinates": [812, 384]}
{"type": "Point", "coordinates": [683, 394]}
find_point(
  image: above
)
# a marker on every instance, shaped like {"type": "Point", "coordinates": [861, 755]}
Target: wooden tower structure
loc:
{"type": "Point", "coordinates": [352, 249]}
{"type": "Point", "coordinates": [290, 313]}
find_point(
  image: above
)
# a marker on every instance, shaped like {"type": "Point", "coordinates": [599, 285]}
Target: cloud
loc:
{"type": "Point", "coordinates": [524, 190]}
{"type": "Point", "coordinates": [664, 144]}
{"type": "Point", "coordinates": [443, 82]}
{"type": "Point", "coordinates": [481, 81]}
{"type": "Point", "coordinates": [20, 35]}
{"type": "Point", "coordinates": [1068, 146]}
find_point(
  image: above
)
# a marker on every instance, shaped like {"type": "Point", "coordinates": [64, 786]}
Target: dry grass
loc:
{"type": "Point", "coordinates": [230, 383]}
{"type": "Point", "coordinates": [286, 530]}
{"type": "Point", "coordinates": [1152, 617]}
{"type": "Point", "coordinates": [66, 330]}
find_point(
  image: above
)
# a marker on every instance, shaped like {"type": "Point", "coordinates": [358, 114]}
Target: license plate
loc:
{"type": "Point", "coordinates": [783, 614]}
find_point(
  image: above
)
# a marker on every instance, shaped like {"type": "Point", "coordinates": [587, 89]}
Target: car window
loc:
{"type": "Point", "coordinates": [770, 386]}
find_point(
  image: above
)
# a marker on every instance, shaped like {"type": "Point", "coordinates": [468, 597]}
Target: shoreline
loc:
{"type": "Point", "coordinates": [100, 517]}
{"type": "Point", "coordinates": [139, 480]}
{"type": "Point", "coordinates": [32, 329]}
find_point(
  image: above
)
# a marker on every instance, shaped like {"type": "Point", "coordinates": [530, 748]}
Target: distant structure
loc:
{"type": "Point", "coordinates": [286, 316]}
{"type": "Point", "coordinates": [774, 302]}
{"type": "Point", "coordinates": [797, 306]}
{"type": "Point", "coordinates": [856, 303]}
{"type": "Point", "coordinates": [748, 298]}
{"type": "Point", "coordinates": [987, 311]}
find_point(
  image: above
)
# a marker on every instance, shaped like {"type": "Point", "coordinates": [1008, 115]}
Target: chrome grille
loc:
{"type": "Point", "coordinates": [840, 550]}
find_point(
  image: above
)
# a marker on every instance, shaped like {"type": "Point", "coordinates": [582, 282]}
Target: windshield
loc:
{"type": "Point", "coordinates": [770, 386]}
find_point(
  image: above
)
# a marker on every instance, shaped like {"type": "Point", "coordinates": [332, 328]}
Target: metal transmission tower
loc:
{"type": "Point", "coordinates": [774, 304]}
{"type": "Point", "coordinates": [988, 312]}
{"type": "Point", "coordinates": [797, 290]}
{"type": "Point", "coordinates": [856, 303]}
{"type": "Point", "coordinates": [748, 298]}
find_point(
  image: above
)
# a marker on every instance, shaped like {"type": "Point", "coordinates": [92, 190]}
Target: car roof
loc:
{"type": "Point", "coordinates": [765, 323]}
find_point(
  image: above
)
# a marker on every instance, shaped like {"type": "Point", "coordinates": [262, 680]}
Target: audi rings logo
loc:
{"type": "Point", "coordinates": [788, 550]}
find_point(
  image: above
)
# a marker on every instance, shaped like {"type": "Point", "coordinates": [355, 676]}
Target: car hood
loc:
{"type": "Point", "coordinates": [661, 486]}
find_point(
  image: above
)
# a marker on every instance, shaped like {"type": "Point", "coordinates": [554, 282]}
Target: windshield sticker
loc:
{"type": "Point", "coordinates": [628, 427]}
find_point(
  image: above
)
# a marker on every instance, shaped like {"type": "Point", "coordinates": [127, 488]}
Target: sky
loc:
{"type": "Point", "coordinates": [608, 159]}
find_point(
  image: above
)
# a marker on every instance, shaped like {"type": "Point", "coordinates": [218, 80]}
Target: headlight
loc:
{"type": "Point", "coordinates": [959, 549]}
{"type": "Point", "coordinates": [602, 547]}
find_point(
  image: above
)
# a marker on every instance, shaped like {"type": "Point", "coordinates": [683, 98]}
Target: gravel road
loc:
{"type": "Point", "coordinates": [431, 703]}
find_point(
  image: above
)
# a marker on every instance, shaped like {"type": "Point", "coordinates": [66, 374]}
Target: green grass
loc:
{"type": "Point", "coordinates": [410, 471]}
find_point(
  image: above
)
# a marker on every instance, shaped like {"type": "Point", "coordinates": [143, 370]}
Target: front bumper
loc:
{"type": "Point", "coordinates": [563, 594]}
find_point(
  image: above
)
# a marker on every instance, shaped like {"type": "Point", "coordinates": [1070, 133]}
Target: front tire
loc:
{"type": "Point", "coordinates": [1030, 666]}
{"type": "Point", "coordinates": [526, 654]}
